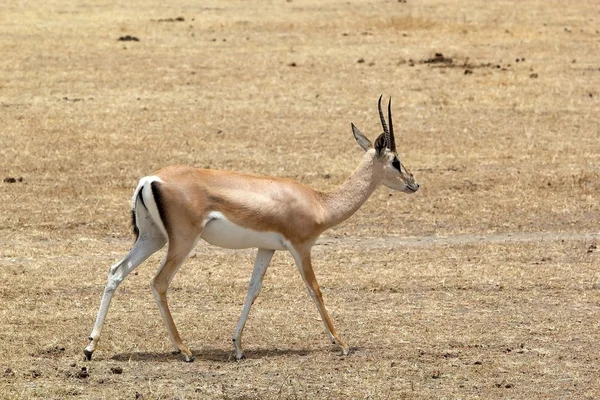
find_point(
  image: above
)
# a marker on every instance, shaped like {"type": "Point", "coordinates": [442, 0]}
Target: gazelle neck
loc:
{"type": "Point", "coordinates": [346, 199]}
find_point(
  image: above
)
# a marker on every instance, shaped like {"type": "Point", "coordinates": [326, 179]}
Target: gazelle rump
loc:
{"type": "Point", "coordinates": [180, 205]}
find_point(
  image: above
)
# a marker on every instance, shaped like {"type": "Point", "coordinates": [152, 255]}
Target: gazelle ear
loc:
{"type": "Point", "coordinates": [362, 140]}
{"type": "Point", "coordinates": [380, 144]}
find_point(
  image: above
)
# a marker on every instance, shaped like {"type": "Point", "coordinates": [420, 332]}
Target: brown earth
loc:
{"type": "Point", "coordinates": [481, 285]}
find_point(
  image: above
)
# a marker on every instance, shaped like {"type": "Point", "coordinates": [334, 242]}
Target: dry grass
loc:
{"type": "Point", "coordinates": [509, 150]}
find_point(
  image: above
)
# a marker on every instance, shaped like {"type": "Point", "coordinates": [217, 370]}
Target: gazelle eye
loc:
{"type": "Point", "coordinates": [396, 164]}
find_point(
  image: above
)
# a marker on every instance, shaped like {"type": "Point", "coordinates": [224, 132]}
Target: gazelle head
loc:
{"type": "Point", "coordinates": [395, 176]}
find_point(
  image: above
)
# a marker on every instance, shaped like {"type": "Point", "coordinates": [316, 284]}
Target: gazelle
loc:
{"type": "Point", "coordinates": [180, 205]}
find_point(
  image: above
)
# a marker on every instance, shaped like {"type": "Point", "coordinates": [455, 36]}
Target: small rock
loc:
{"type": "Point", "coordinates": [128, 38]}
{"type": "Point", "coordinates": [11, 179]}
{"type": "Point", "coordinates": [450, 354]}
{"type": "Point", "coordinates": [438, 58]}
{"type": "Point", "coordinates": [177, 19]}
{"type": "Point", "coordinates": [83, 374]}
{"type": "Point", "coordinates": [116, 370]}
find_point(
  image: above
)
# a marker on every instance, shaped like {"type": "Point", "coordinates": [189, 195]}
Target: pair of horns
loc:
{"type": "Point", "coordinates": [389, 134]}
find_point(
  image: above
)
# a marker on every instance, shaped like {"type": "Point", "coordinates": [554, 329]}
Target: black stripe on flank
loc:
{"type": "Point", "coordinates": [142, 198]}
{"type": "Point", "coordinates": [160, 203]}
{"type": "Point", "coordinates": [136, 231]}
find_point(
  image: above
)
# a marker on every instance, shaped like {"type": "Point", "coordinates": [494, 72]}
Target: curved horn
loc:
{"type": "Point", "coordinates": [392, 139]}
{"type": "Point", "coordinates": [383, 124]}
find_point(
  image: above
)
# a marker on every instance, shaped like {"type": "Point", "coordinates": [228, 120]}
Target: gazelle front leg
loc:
{"type": "Point", "coordinates": [263, 258]}
{"type": "Point", "coordinates": [303, 261]}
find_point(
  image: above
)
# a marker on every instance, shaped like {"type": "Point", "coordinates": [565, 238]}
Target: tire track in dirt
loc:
{"type": "Point", "coordinates": [368, 242]}
{"type": "Point", "coordinates": [460, 240]}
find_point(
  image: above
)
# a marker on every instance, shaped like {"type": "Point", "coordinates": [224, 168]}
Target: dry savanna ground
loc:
{"type": "Point", "coordinates": [481, 285]}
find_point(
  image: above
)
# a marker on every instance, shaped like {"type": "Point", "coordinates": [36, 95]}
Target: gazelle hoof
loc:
{"type": "Point", "coordinates": [345, 348]}
{"type": "Point", "coordinates": [88, 354]}
{"type": "Point", "coordinates": [189, 359]}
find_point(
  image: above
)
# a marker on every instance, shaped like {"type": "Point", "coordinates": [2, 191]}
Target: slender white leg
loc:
{"type": "Point", "coordinates": [143, 248]}
{"type": "Point", "coordinates": [263, 258]}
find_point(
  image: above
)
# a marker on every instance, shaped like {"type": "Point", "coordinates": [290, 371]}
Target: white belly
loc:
{"type": "Point", "coordinates": [219, 231]}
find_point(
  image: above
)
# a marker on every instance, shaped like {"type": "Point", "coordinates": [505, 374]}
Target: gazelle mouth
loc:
{"type": "Point", "coordinates": [412, 188]}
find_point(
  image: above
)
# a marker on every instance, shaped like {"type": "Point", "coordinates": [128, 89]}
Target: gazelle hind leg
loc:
{"type": "Point", "coordinates": [143, 248]}
{"type": "Point", "coordinates": [263, 258]}
{"type": "Point", "coordinates": [176, 255]}
{"type": "Point", "coordinates": [303, 261]}
{"type": "Point", "coordinates": [150, 239]}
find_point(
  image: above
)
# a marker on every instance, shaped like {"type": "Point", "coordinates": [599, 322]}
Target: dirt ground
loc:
{"type": "Point", "coordinates": [483, 285]}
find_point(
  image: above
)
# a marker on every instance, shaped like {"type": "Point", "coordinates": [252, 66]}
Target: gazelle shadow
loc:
{"type": "Point", "coordinates": [210, 354]}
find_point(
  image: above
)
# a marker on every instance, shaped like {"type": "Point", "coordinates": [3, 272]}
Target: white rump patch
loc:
{"type": "Point", "coordinates": [219, 231]}
{"type": "Point", "coordinates": [145, 181]}
{"type": "Point", "coordinates": [151, 216]}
